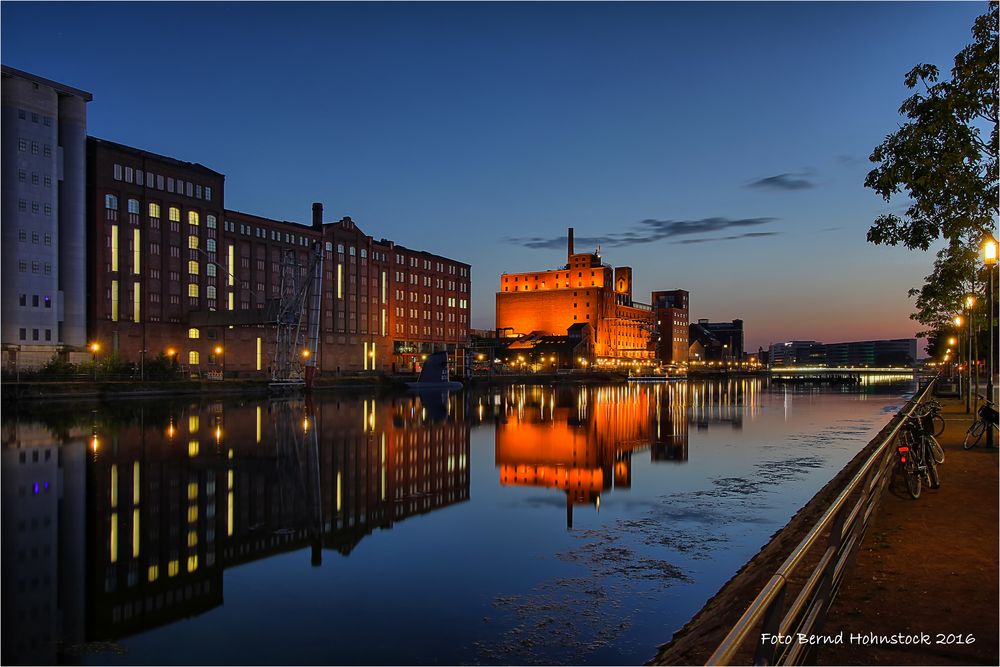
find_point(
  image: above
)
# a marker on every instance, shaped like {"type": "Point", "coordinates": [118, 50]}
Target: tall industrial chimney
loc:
{"type": "Point", "coordinates": [317, 215]}
{"type": "Point", "coordinates": [570, 241]}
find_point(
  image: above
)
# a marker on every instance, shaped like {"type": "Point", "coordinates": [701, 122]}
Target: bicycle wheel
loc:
{"type": "Point", "coordinates": [974, 433]}
{"type": "Point", "coordinates": [912, 478]}
{"type": "Point", "coordinates": [933, 480]}
{"type": "Point", "coordinates": [938, 422]}
{"type": "Point", "coordinates": [936, 451]}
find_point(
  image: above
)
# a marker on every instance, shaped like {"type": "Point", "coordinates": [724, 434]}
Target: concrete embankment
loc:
{"type": "Point", "coordinates": [698, 639]}
{"type": "Point", "coordinates": [84, 389]}
{"type": "Point", "coordinates": [34, 391]}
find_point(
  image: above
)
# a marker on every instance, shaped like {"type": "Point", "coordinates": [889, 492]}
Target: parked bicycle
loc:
{"type": "Point", "coordinates": [915, 456]}
{"type": "Point", "coordinates": [987, 417]}
{"type": "Point", "coordinates": [932, 424]}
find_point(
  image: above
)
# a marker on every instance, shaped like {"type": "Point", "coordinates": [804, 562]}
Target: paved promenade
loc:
{"type": "Point", "coordinates": [928, 566]}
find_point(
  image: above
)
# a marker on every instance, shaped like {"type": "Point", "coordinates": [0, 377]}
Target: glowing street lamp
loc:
{"type": "Point", "coordinates": [95, 347]}
{"type": "Point", "coordinates": [990, 260]}
{"type": "Point", "coordinates": [969, 301]}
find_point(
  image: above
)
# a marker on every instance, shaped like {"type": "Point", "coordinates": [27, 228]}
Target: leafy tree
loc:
{"type": "Point", "coordinates": [939, 157]}
{"type": "Point", "coordinates": [941, 161]}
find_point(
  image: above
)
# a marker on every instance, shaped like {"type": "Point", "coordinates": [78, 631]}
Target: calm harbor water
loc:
{"type": "Point", "coordinates": [526, 524]}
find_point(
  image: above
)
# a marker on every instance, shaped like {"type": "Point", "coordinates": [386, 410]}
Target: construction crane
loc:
{"type": "Point", "coordinates": [296, 346]}
{"type": "Point", "coordinates": [300, 293]}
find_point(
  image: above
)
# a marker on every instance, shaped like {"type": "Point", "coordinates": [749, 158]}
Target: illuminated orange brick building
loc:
{"type": "Point", "coordinates": [585, 290]}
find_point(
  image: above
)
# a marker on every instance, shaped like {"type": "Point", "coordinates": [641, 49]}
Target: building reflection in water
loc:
{"type": "Point", "coordinates": [581, 440]}
{"type": "Point", "coordinates": [724, 402]}
{"type": "Point", "coordinates": [44, 499]}
{"type": "Point", "coordinates": [117, 524]}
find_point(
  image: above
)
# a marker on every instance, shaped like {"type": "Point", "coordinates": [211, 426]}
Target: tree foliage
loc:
{"type": "Point", "coordinates": [944, 160]}
{"type": "Point", "coordinates": [939, 158]}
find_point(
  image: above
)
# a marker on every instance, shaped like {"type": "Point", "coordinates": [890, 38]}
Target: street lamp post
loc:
{"type": "Point", "coordinates": [958, 330]}
{"type": "Point", "coordinates": [94, 348]}
{"type": "Point", "coordinates": [970, 301]}
{"type": "Point", "coordinates": [990, 259]}
{"type": "Point", "coordinates": [221, 359]}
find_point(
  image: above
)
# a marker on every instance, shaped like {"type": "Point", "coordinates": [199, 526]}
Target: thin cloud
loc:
{"type": "Point", "coordinates": [748, 235]}
{"type": "Point", "coordinates": [850, 161]}
{"type": "Point", "coordinates": [783, 182]}
{"type": "Point", "coordinates": [646, 231]}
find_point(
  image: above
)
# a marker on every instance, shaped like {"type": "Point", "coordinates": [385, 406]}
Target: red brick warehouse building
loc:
{"type": "Point", "coordinates": [171, 271]}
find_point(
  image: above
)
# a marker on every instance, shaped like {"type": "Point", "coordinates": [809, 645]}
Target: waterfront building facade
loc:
{"type": "Point", "coordinates": [43, 223]}
{"type": "Point", "coordinates": [729, 335]}
{"type": "Point", "coordinates": [671, 309]}
{"type": "Point", "coordinates": [155, 245]}
{"type": "Point", "coordinates": [174, 272]}
{"type": "Point", "coordinates": [585, 290]}
{"type": "Point", "coordinates": [854, 354]}
{"type": "Point", "coordinates": [796, 353]}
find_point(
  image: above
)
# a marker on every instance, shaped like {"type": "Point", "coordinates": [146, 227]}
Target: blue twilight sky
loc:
{"type": "Point", "coordinates": [739, 131]}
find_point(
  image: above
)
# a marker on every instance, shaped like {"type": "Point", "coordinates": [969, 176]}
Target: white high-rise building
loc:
{"type": "Point", "coordinates": [43, 263]}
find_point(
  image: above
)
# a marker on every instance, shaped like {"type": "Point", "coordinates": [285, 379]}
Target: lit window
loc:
{"type": "Point", "coordinates": [193, 290]}
{"type": "Point", "coordinates": [193, 357]}
{"type": "Point", "coordinates": [193, 218]}
{"type": "Point", "coordinates": [111, 202]}
{"type": "Point", "coordinates": [133, 206]}
{"type": "Point", "coordinates": [193, 334]}
{"type": "Point", "coordinates": [175, 214]}
{"type": "Point", "coordinates": [154, 210]}
{"type": "Point", "coordinates": [192, 241]}
{"type": "Point", "coordinates": [193, 269]}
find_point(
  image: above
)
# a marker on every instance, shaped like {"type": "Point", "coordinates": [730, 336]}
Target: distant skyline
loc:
{"type": "Point", "coordinates": [719, 148]}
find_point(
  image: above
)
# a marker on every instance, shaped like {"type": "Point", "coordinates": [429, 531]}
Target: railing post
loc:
{"type": "Point", "coordinates": [764, 653]}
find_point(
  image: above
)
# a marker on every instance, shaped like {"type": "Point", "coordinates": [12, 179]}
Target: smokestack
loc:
{"type": "Point", "coordinates": [570, 241]}
{"type": "Point", "coordinates": [317, 215]}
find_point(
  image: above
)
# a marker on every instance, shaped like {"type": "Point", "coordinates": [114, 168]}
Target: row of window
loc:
{"type": "Point", "coordinates": [22, 177]}
{"type": "Point", "coordinates": [22, 236]}
{"type": "Point", "coordinates": [36, 207]}
{"type": "Point", "coordinates": [35, 117]}
{"type": "Point", "coordinates": [22, 334]}
{"type": "Point", "coordinates": [36, 267]}
{"type": "Point", "coordinates": [45, 301]}
{"type": "Point", "coordinates": [24, 145]}
{"type": "Point", "coordinates": [154, 211]}
{"type": "Point", "coordinates": [161, 182]}
{"type": "Point", "coordinates": [579, 283]}
{"type": "Point", "coordinates": [415, 330]}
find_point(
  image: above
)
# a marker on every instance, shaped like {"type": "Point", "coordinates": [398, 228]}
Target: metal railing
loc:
{"type": "Point", "coordinates": [844, 523]}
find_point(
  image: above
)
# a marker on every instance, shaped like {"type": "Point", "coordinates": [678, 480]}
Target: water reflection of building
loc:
{"type": "Point", "coordinates": [43, 538]}
{"type": "Point", "coordinates": [175, 494]}
{"type": "Point", "coordinates": [724, 402]}
{"type": "Point", "coordinates": [581, 440]}
{"type": "Point", "coordinates": [157, 499]}
{"type": "Point", "coordinates": [389, 461]}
